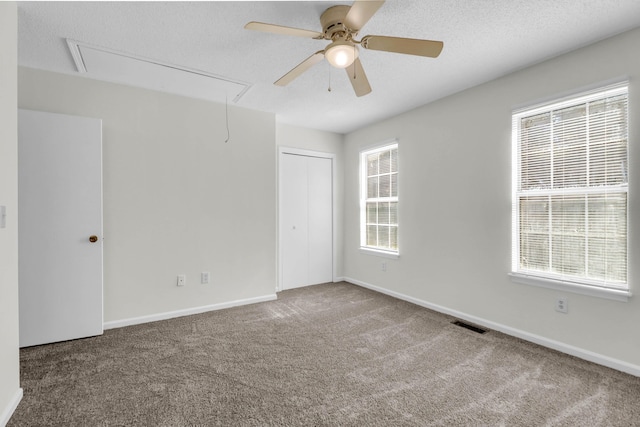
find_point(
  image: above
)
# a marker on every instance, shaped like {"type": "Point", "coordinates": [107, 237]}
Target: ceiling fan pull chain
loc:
{"type": "Point", "coordinates": [354, 64]}
{"type": "Point", "coordinates": [329, 79]}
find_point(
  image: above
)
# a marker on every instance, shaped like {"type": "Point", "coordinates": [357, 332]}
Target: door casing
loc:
{"type": "Point", "coordinates": [309, 153]}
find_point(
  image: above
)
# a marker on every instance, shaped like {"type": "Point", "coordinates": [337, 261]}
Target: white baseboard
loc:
{"type": "Point", "coordinates": [581, 353]}
{"type": "Point", "coordinates": [6, 414]}
{"type": "Point", "coordinates": [186, 312]}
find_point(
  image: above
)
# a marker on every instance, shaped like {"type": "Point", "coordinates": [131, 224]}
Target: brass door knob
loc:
{"type": "Point", "coordinates": [93, 239]}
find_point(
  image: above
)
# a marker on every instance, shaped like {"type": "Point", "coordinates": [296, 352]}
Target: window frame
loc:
{"type": "Point", "coordinates": [581, 285]}
{"type": "Point", "coordinates": [362, 161]}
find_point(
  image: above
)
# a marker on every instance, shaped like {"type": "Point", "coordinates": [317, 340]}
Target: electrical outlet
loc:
{"type": "Point", "coordinates": [182, 280]}
{"type": "Point", "coordinates": [204, 277]}
{"type": "Point", "coordinates": [562, 305]}
{"type": "Point", "coordinates": [383, 267]}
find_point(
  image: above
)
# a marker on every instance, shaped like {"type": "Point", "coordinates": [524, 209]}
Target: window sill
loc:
{"type": "Point", "coordinates": [559, 285]}
{"type": "Point", "coordinates": [384, 254]}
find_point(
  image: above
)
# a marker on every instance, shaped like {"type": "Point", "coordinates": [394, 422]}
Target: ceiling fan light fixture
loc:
{"type": "Point", "coordinates": [341, 54]}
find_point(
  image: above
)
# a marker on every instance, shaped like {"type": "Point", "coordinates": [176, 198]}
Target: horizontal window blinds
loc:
{"type": "Point", "coordinates": [570, 194]}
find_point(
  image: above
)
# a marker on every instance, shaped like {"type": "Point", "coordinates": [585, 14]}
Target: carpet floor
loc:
{"type": "Point", "coordinates": [325, 355]}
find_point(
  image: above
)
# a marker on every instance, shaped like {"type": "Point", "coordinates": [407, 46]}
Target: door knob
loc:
{"type": "Point", "coordinates": [93, 239]}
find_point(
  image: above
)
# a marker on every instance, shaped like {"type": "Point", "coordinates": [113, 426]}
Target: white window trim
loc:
{"type": "Point", "coordinates": [378, 252]}
{"type": "Point", "coordinates": [520, 277]}
{"type": "Point", "coordinates": [370, 250]}
{"type": "Point", "coordinates": [573, 287]}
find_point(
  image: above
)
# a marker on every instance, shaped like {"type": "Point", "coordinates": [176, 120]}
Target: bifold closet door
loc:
{"type": "Point", "coordinates": [306, 220]}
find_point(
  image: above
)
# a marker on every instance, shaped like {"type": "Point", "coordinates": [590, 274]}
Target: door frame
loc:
{"type": "Point", "coordinates": [283, 150]}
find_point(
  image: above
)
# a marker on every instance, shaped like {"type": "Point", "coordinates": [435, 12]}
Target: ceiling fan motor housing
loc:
{"type": "Point", "coordinates": [333, 26]}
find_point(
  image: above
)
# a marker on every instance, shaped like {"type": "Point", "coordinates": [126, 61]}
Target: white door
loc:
{"type": "Point", "coordinates": [320, 215]}
{"type": "Point", "coordinates": [306, 220]}
{"type": "Point", "coordinates": [60, 227]}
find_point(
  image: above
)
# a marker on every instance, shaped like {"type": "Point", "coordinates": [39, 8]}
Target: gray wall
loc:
{"type": "Point", "coordinates": [10, 391]}
{"type": "Point", "coordinates": [177, 199]}
{"type": "Point", "coordinates": [455, 212]}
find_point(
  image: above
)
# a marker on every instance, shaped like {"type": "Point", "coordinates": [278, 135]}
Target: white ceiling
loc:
{"type": "Point", "coordinates": [483, 39]}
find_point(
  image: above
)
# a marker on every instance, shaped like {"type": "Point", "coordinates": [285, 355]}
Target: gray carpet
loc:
{"type": "Point", "coordinates": [326, 355]}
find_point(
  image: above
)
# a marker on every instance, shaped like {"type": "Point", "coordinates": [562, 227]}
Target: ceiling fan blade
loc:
{"type": "Point", "coordinates": [358, 78]}
{"type": "Point", "coordinates": [361, 12]}
{"type": "Point", "coordinates": [419, 47]}
{"type": "Point", "coordinates": [279, 29]}
{"type": "Point", "coordinates": [300, 68]}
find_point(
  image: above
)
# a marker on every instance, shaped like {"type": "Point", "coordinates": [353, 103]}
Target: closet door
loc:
{"type": "Point", "coordinates": [306, 220]}
{"type": "Point", "coordinates": [320, 213]}
{"type": "Point", "coordinates": [293, 221]}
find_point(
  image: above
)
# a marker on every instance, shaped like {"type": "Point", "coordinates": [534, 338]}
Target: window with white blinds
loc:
{"type": "Point", "coordinates": [570, 175]}
{"type": "Point", "coordinates": [379, 199]}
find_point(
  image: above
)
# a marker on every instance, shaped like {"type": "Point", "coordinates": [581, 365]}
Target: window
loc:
{"type": "Point", "coordinates": [570, 186]}
{"type": "Point", "coordinates": [379, 199]}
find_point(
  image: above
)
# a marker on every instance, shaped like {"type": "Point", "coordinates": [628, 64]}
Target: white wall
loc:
{"type": "Point", "coordinates": [177, 198]}
{"type": "Point", "coordinates": [455, 217]}
{"type": "Point", "coordinates": [325, 142]}
{"type": "Point", "coordinates": [10, 391]}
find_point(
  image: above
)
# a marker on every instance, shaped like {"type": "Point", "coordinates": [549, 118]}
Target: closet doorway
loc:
{"type": "Point", "coordinates": [305, 218]}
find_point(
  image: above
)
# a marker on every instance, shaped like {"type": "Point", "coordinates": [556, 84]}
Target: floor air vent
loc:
{"type": "Point", "coordinates": [469, 327]}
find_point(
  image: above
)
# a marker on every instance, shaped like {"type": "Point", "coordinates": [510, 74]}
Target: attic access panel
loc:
{"type": "Point", "coordinates": [105, 64]}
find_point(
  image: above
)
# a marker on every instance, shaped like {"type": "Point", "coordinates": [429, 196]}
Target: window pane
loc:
{"type": "Point", "coordinates": [535, 152]}
{"type": "Point", "coordinates": [385, 186]}
{"type": "Point", "coordinates": [372, 213]}
{"type": "Point", "coordinates": [383, 236]}
{"type": "Point", "coordinates": [607, 163]}
{"type": "Point", "coordinates": [607, 243]}
{"type": "Point", "coordinates": [569, 147]}
{"type": "Point", "coordinates": [608, 119]}
{"type": "Point", "coordinates": [385, 162]}
{"type": "Point", "coordinates": [394, 185]}
{"type": "Point", "coordinates": [569, 125]}
{"type": "Point", "coordinates": [608, 215]}
{"type": "Point", "coordinates": [534, 233]}
{"type": "Point", "coordinates": [393, 213]}
{"type": "Point", "coordinates": [372, 235]}
{"type": "Point", "coordinates": [570, 166]}
{"type": "Point", "coordinates": [394, 160]}
{"type": "Point", "coordinates": [568, 235]}
{"type": "Point", "coordinates": [534, 251]}
{"type": "Point", "coordinates": [568, 215]}
{"type": "Point", "coordinates": [372, 187]}
{"type": "Point", "coordinates": [372, 164]}
{"type": "Point", "coordinates": [568, 256]}
{"type": "Point", "coordinates": [393, 238]}
{"type": "Point", "coordinates": [607, 260]}
{"type": "Point", "coordinates": [534, 214]}
{"type": "Point", "coordinates": [383, 213]}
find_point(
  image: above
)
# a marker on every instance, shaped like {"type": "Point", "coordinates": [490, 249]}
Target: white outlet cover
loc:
{"type": "Point", "coordinates": [182, 279]}
{"type": "Point", "coordinates": [562, 305]}
{"type": "Point", "coordinates": [204, 277]}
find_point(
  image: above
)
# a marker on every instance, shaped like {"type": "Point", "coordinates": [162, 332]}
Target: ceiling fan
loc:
{"type": "Point", "coordinates": [340, 25]}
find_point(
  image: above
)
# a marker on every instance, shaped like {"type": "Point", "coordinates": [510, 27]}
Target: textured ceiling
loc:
{"type": "Point", "coordinates": [483, 39]}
